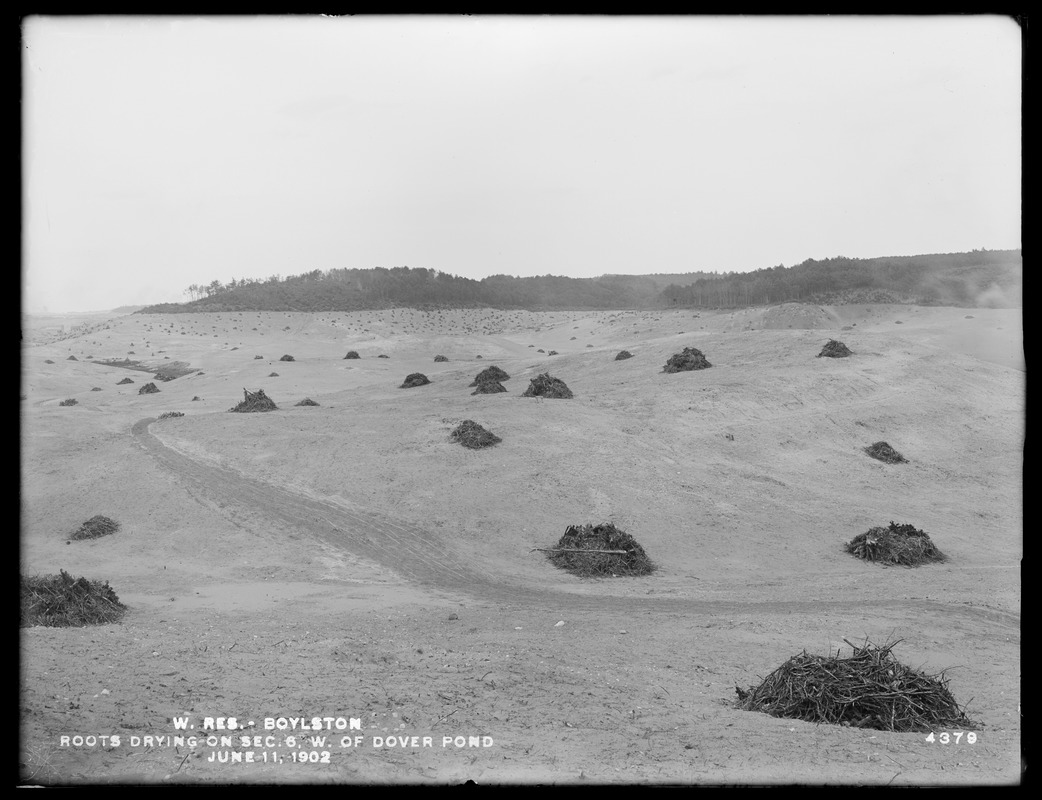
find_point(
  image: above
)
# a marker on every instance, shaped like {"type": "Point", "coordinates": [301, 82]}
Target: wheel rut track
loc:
{"type": "Point", "coordinates": [421, 557]}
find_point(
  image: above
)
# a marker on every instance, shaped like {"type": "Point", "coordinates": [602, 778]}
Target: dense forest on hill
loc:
{"type": "Point", "coordinates": [981, 277]}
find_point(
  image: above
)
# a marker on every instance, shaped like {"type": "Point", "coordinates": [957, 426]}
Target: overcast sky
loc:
{"type": "Point", "coordinates": [164, 151]}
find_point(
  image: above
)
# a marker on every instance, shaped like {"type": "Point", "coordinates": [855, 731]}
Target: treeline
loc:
{"type": "Point", "coordinates": [356, 289]}
{"type": "Point", "coordinates": [981, 277]}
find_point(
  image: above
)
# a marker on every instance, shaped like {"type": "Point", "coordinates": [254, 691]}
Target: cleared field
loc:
{"type": "Point", "coordinates": [351, 560]}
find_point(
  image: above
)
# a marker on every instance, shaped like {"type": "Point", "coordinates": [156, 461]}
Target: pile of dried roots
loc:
{"type": "Point", "coordinates": [689, 359]}
{"type": "Point", "coordinates": [64, 601]}
{"type": "Point", "coordinates": [546, 386]}
{"type": "Point", "coordinates": [599, 551]}
{"type": "Point", "coordinates": [489, 387]}
{"type": "Point", "coordinates": [414, 379]}
{"type": "Point", "coordinates": [255, 401]}
{"type": "Point", "coordinates": [897, 544]}
{"type": "Point", "coordinates": [469, 434]}
{"type": "Point", "coordinates": [870, 689]}
{"type": "Point", "coordinates": [94, 528]}
{"type": "Point", "coordinates": [492, 373]}
{"type": "Point", "coordinates": [884, 452]}
{"type": "Point", "coordinates": [835, 349]}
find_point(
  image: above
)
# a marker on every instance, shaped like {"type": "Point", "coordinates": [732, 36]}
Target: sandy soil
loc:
{"type": "Point", "coordinates": [348, 561]}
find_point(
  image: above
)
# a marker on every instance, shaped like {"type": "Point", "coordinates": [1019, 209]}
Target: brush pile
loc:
{"type": "Point", "coordinates": [623, 355]}
{"type": "Point", "coordinates": [689, 359]}
{"type": "Point", "coordinates": [258, 358]}
{"type": "Point", "coordinates": [148, 388]}
{"type": "Point", "coordinates": [489, 387]}
{"type": "Point", "coordinates": [897, 544]}
{"type": "Point", "coordinates": [273, 375]}
{"type": "Point", "coordinates": [835, 349]}
{"type": "Point", "coordinates": [64, 601]}
{"type": "Point", "coordinates": [352, 354]}
{"type": "Point", "coordinates": [383, 356]}
{"type": "Point", "coordinates": [546, 386]}
{"type": "Point", "coordinates": [632, 560]}
{"type": "Point", "coordinates": [125, 381]}
{"type": "Point", "coordinates": [441, 358]}
{"type": "Point", "coordinates": [884, 452]}
{"type": "Point", "coordinates": [414, 379]}
{"type": "Point", "coordinates": [492, 373]}
{"type": "Point", "coordinates": [171, 414]}
{"type": "Point", "coordinates": [72, 401]}
{"type": "Point", "coordinates": [287, 358]}
{"type": "Point", "coordinates": [307, 401]}
{"type": "Point", "coordinates": [72, 358]}
{"type": "Point", "coordinates": [96, 389]}
{"type": "Point", "coordinates": [552, 353]}
{"type": "Point", "coordinates": [47, 361]}
{"type": "Point", "coordinates": [255, 401]}
{"type": "Point", "coordinates": [197, 397]}
{"type": "Point", "coordinates": [870, 689]}
{"type": "Point", "coordinates": [94, 528]}
{"type": "Point", "coordinates": [469, 434]}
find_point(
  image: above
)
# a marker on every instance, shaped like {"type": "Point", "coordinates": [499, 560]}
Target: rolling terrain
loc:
{"type": "Point", "coordinates": [350, 560]}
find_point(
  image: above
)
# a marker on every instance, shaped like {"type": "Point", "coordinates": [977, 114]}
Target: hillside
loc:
{"type": "Point", "coordinates": [978, 279]}
{"type": "Point", "coordinates": [349, 559]}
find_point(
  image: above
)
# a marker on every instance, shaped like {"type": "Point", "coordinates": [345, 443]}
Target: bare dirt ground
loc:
{"type": "Point", "coordinates": [349, 561]}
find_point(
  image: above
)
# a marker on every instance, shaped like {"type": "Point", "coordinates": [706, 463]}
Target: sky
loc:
{"type": "Point", "coordinates": [160, 152]}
